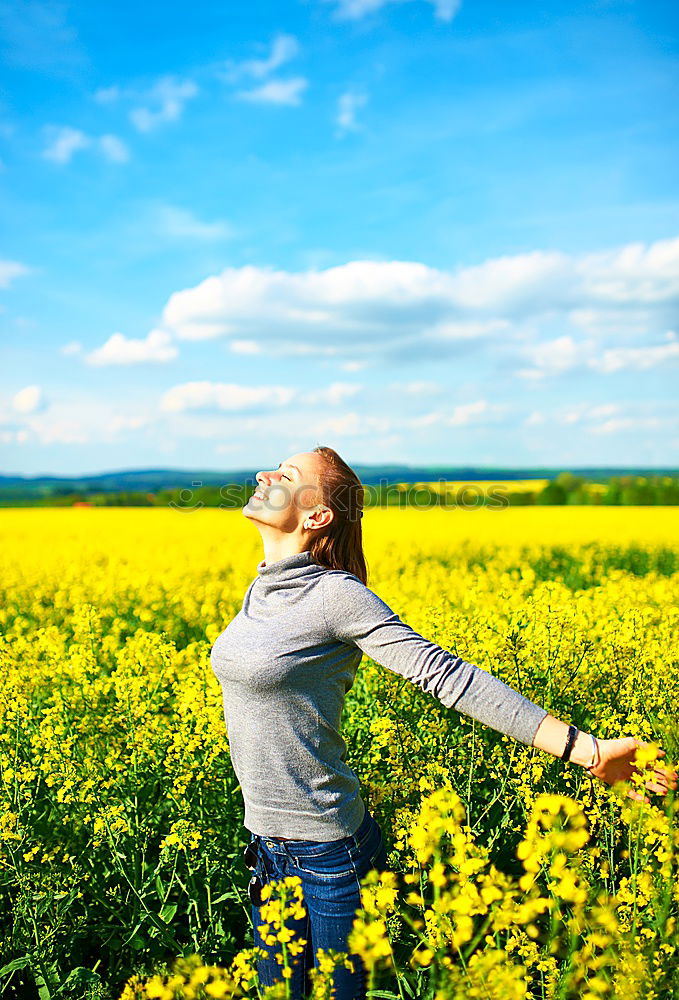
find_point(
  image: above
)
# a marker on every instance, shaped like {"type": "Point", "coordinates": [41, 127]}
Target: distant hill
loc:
{"type": "Point", "coordinates": [152, 480]}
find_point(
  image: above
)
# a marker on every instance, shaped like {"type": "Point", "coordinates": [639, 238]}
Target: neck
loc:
{"type": "Point", "coordinates": [279, 546]}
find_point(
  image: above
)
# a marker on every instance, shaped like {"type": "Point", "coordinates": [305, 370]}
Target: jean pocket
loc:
{"type": "Point", "coordinates": [335, 862]}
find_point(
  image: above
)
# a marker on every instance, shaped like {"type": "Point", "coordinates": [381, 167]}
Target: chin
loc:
{"type": "Point", "coordinates": [253, 515]}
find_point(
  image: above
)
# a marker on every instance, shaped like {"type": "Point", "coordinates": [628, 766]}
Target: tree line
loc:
{"type": "Point", "coordinates": [565, 488]}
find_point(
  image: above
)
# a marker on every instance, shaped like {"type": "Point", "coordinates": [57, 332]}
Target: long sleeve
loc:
{"type": "Point", "coordinates": [356, 615]}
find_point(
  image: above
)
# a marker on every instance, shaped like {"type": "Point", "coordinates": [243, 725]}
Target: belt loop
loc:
{"type": "Point", "coordinates": [282, 846]}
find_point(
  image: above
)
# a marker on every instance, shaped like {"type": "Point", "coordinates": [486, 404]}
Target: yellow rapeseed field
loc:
{"type": "Point", "coordinates": [511, 875]}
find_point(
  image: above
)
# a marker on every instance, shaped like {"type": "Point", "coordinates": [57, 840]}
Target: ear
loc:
{"type": "Point", "coordinates": [319, 518]}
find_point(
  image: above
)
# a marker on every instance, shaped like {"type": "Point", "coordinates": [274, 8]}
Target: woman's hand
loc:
{"type": "Point", "coordinates": [615, 762]}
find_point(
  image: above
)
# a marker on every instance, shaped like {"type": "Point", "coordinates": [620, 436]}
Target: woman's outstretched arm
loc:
{"type": "Point", "coordinates": [356, 615]}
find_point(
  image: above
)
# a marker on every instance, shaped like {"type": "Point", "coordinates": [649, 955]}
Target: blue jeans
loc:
{"type": "Point", "coordinates": [330, 871]}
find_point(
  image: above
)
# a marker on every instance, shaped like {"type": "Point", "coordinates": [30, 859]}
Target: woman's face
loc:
{"type": "Point", "coordinates": [288, 497]}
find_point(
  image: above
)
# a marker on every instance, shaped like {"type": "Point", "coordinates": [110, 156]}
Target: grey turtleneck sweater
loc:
{"type": "Point", "coordinates": [285, 664]}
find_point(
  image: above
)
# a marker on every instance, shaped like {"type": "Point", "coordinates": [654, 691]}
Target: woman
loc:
{"type": "Point", "coordinates": [285, 663]}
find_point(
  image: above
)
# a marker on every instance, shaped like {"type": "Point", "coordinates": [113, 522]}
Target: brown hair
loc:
{"type": "Point", "coordinates": [341, 546]}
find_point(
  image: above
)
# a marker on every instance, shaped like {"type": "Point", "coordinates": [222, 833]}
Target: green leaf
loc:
{"type": "Point", "coordinates": [168, 912]}
{"type": "Point", "coordinates": [43, 989]}
{"type": "Point", "coordinates": [16, 963]}
{"type": "Point", "coordinates": [79, 975]}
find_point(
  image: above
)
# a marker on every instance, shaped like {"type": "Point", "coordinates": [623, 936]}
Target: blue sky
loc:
{"type": "Point", "coordinates": [417, 230]}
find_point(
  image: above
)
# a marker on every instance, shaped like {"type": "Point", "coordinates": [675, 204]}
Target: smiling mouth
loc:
{"type": "Point", "coordinates": [258, 495]}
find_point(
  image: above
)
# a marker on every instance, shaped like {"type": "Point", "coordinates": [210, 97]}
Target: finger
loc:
{"type": "Point", "coordinates": [657, 787]}
{"type": "Point", "coordinates": [637, 797]}
{"type": "Point", "coordinates": [664, 774]}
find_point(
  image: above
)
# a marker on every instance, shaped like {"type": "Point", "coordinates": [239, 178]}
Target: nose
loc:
{"type": "Point", "coordinates": [264, 478]}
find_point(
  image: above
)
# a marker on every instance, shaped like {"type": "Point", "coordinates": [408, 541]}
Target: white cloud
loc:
{"type": "Point", "coordinates": [72, 347]}
{"type": "Point", "coordinates": [108, 95]}
{"type": "Point", "coordinates": [426, 420]}
{"type": "Point", "coordinates": [633, 274]}
{"type": "Point", "coordinates": [638, 358]}
{"type": "Point", "coordinates": [361, 310]}
{"type": "Point", "coordinates": [352, 301]}
{"type": "Point", "coordinates": [30, 399]}
{"type": "Point", "coordinates": [11, 269]}
{"type": "Point", "coordinates": [478, 412]}
{"type": "Point", "coordinates": [609, 418]}
{"type": "Point", "coordinates": [283, 48]}
{"type": "Point", "coordinates": [216, 396]}
{"type": "Point", "coordinates": [72, 419]}
{"type": "Point", "coordinates": [347, 106]}
{"type": "Point", "coordinates": [166, 98]}
{"type": "Point", "coordinates": [467, 413]}
{"type": "Point", "coordinates": [512, 283]}
{"type": "Point", "coordinates": [64, 141]}
{"type": "Point", "coordinates": [120, 350]}
{"type": "Point", "coordinates": [573, 414]}
{"type": "Point", "coordinates": [61, 432]}
{"type": "Point", "coordinates": [245, 347]}
{"type": "Point", "coordinates": [534, 419]}
{"type": "Point", "coordinates": [119, 423]}
{"type": "Point", "coordinates": [270, 91]}
{"type": "Point", "coordinates": [180, 222]}
{"type": "Point", "coordinates": [587, 411]}
{"type": "Point", "coordinates": [445, 10]}
{"type": "Point", "coordinates": [114, 149]}
{"type": "Point", "coordinates": [353, 10]}
{"type": "Point", "coordinates": [556, 357]}
{"type": "Point", "coordinates": [629, 424]}
{"type": "Point", "coordinates": [353, 366]}
{"type": "Point", "coordinates": [276, 92]}
{"type": "Point", "coordinates": [333, 394]}
{"type": "Point", "coordinates": [14, 437]}
{"type": "Point", "coordinates": [610, 321]}
{"type": "Point", "coordinates": [602, 410]}
{"type": "Point", "coordinates": [224, 396]}
{"type": "Point", "coordinates": [353, 425]}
